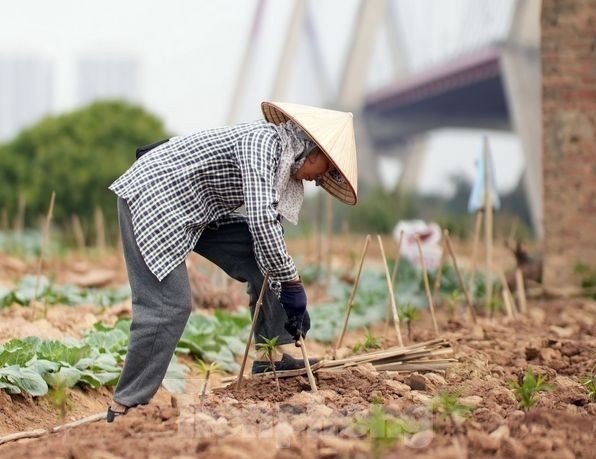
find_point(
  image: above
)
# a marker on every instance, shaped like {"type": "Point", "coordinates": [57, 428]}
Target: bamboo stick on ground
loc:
{"type": "Point", "coordinates": [252, 328]}
{"type": "Point", "coordinates": [462, 284]}
{"type": "Point", "coordinates": [311, 378]}
{"type": "Point", "coordinates": [352, 294]}
{"type": "Point", "coordinates": [521, 291]}
{"type": "Point", "coordinates": [426, 285]}
{"type": "Point", "coordinates": [40, 432]}
{"type": "Point", "coordinates": [391, 294]}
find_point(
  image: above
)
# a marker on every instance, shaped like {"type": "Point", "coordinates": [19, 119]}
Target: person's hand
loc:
{"type": "Point", "coordinates": [293, 300]}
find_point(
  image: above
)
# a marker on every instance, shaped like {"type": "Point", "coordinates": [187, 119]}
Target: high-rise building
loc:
{"type": "Point", "coordinates": [109, 77]}
{"type": "Point", "coordinates": [26, 92]}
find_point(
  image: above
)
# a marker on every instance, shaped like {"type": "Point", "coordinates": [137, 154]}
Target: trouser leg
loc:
{"type": "Point", "coordinates": [160, 311]}
{"type": "Point", "coordinates": [231, 248]}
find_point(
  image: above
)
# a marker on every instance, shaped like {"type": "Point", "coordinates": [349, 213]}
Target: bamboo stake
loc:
{"type": "Point", "coordinates": [393, 277]}
{"type": "Point", "coordinates": [252, 328]}
{"type": "Point", "coordinates": [19, 222]}
{"type": "Point", "coordinates": [78, 232]}
{"type": "Point", "coordinates": [100, 231]}
{"type": "Point", "coordinates": [4, 219]}
{"type": "Point", "coordinates": [506, 303]}
{"type": "Point", "coordinates": [488, 224]}
{"type": "Point", "coordinates": [44, 240]}
{"type": "Point", "coordinates": [426, 285]}
{"type": "Point", "coordinates": [521, 291]}
{"type": "Point", "coordinates": [439, 275]}
{"type": "Point", "coordinates": [311, 378]}
{"type": "Point", "coordinates": [352, 295]}
{"type": "Point", "coordinates": [477, 228]}
{"type": "Point", "coordinates": [397, 257]}
{"type": "Point", "coordinates": [507, 296]}
{"type": "Point", "coordinates": [462, 284]}
{"type": "Point", "coordinates": [391, 294]}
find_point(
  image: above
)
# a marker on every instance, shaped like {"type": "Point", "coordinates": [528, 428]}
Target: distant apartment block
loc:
{"type": "Point", "coordinates": [107, 78]}
{"type": "Point", "coordinates": [26, 92]}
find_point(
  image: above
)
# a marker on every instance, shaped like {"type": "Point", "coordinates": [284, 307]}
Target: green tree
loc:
{"type": "Point", "coordinates": [77, 154]}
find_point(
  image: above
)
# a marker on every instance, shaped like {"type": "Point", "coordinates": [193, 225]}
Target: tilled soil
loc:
{"type": "Point", "coordinates": [557, 340]}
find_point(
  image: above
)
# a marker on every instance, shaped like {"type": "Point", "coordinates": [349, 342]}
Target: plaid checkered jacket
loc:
{"type": "Point", "coordinates": [176, 189]}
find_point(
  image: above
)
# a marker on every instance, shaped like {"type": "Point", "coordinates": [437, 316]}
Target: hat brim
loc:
{"type": "Point", "coordinates": [342, 189]}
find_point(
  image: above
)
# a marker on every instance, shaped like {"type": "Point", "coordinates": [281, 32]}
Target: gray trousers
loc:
{"type": "Point", "coordinates": [160, 310]}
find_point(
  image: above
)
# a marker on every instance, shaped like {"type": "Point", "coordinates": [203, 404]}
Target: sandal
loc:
{"type": "Point", "coordinates": [114, 414]}
{"type": "Point", "coordinates": [286, 363]}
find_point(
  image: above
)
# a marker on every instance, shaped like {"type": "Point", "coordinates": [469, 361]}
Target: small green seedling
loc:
{"type": "Point", "coordinates": [267, 347]}
{"type": "Point", "coordinates": [589, 382]}
{"type": "Point", "coordinates": [58, 396]}
{"type": "Point", "coordinates": [384, 430]}
{"type": "Point", "coordinates": [526, 391]}
{"type": "Point", "coordinates": [370, 342]}
{"type": "Point", "coordinates": [448, 406]}
{"type": "Point", "coordinates": [451, 301]}
{"type": "Point", "coordinates": [409, 313]}
{"type": "Point", "coordinates": [207, 370]}
{"type": "Point", "coordinates": [494, 305]}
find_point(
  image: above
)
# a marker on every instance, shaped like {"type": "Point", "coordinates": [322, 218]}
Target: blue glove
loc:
{"type": "Point", "coordinates": [293, 300]}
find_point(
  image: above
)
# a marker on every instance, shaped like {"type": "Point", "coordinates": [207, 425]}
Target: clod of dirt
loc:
{"type": "Point", "coordinates": [417, 381]}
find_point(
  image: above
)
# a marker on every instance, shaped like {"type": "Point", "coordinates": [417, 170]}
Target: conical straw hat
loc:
{"type": "Point", "coordinates": [333, 132]}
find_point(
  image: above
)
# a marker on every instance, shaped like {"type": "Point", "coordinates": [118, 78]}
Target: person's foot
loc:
{"type": "Point", "coordinates": [116, 409]}
{"type": "Point", "coordinates": [287, 362]}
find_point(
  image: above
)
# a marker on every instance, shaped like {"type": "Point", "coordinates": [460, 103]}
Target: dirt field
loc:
{"type": "Point", "coordinates": [556, 340]}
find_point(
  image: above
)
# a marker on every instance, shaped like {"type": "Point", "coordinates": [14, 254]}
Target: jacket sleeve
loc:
{"type": "Point", "coordinates": [257, 154]}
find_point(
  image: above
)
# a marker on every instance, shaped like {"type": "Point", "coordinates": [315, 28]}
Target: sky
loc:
{"type": "Point", "coordinates": [190, 52]}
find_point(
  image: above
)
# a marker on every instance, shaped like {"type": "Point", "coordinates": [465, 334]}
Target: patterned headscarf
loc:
{"type": "Point", "coordinates": [296, 146]}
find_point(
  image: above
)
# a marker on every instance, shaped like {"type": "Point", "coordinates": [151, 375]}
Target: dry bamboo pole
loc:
{"type": "Point", "coordinates": [19, 221]}
{"type": "Point", "coordinates": [462, 284]}
{"type": "Point", "coordinates": [352, 295]}
{"type": "Point", "coordinates": [4, 219]}
{"type": "Point", "coordinates": [439, 275]}
{"type": "Point", "coordinates": [100, 231]}
{"type": "Point", "coordinates": [393, 277]}
{"type": "Point", "coordinates": [44, 240]}
{"type": "Point", "coordinates": [426, 285]}
{"type": "Point", "coordinates": [78, 232]}
{"type": "Point", "coordinates": [488, 224]}
{"type": "Point", "coordinates": [311, 378]}
{"type": "Point", "coordinates": [252, 328]}
{"type": "Point", "coordinates": [521, 291]}
{"type": "Point", "coordinates": [40, 432]}
{"type": "Point", "coordinates": [477, 228]}
{"type": "Point", "coordinates": [391, 294]}
{"type": "Point", "coordinates": [507, 296]}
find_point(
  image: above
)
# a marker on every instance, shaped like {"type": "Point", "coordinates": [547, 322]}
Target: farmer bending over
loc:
{"type": "Point", "coordinates": [182, 194]}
